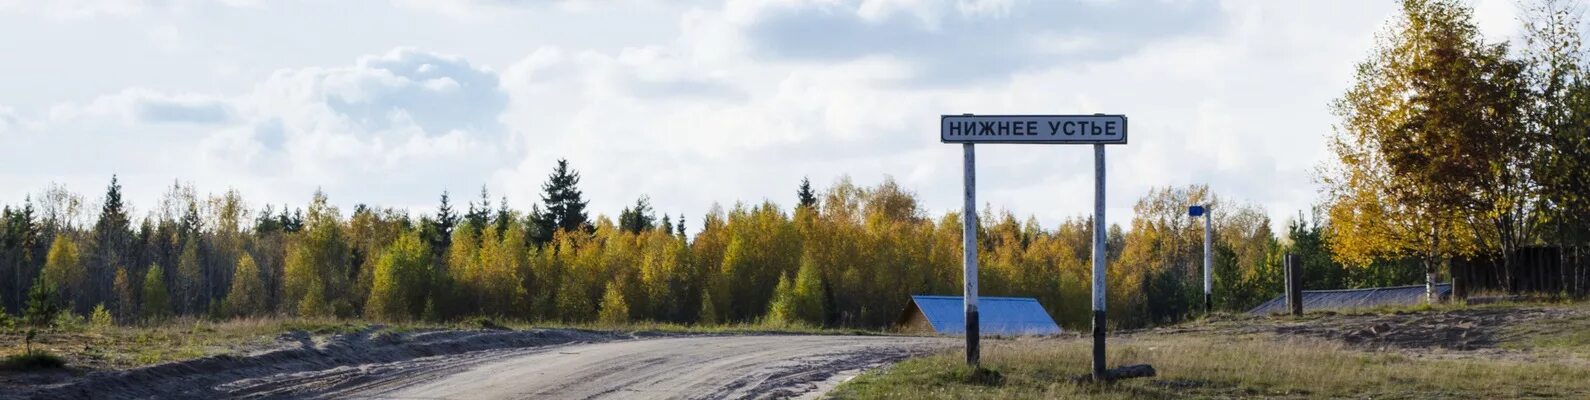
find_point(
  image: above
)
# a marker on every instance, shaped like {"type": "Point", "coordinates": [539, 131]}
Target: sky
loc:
{"type": "Point", "coordinates": [691, 103]}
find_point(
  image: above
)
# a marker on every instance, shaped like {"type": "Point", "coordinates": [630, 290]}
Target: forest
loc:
{"type": "Point", "coordinates": [847, 256]}
{"type": "Point", "coordinates": [1449, 147]}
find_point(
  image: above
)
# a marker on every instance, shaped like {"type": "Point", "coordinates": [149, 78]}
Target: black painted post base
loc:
{"type": "Point", "coordinates": [972, 336]}
{"type": "Point", "coordinates": [1098, 345]}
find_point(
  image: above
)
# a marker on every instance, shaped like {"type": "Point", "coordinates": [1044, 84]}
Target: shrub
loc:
{"type": "Point", "coordinates": [68, 322]}
{"type": "Point", "coordinates": [101, 319]}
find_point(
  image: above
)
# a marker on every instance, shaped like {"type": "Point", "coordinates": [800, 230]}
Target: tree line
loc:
{"type": "Point", "coordinates": [846, 256]}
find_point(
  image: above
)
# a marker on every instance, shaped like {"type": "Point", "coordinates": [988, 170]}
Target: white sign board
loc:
{"type": "Point", "coordinates": [1038, 129]}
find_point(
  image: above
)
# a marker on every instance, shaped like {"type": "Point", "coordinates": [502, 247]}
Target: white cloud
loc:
{"type": "Point", "coordinates": [140, 105]}
{"type": "Point", "coordinates": [747, 98]}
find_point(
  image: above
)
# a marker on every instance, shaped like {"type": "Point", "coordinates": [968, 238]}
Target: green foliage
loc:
{"type": "Point", "coordinates": [42, 304]}
{"type": "Point", "coordinates": [639, 218]}
{"type": "Point", "coordinates": [615, 310]}
{"type": "Point", "coordinates": [1432, 131]}
{"type": "Point", "coordinates": [65, 270]}
{"type": "Point", "coordinates": [801, 300]}
{"type": "Point", "coordinates": [565, 205]}
{"type": "Point", "coordinates": [317, 264]}
{"type": "Point", "coordinates": [402, 278]}
{"type": "Point", "coordinates": [101, 320]}
{"type": "Point", "coordinates": [247, 294]}
{"type": "Point", "coordinates": [156, 299]}
{"type": "Point", "coordinates": [67, 321]}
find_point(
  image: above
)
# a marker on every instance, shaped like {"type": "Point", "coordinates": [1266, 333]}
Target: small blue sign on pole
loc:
{"type": "Point", "coordinates": [1196, 211]}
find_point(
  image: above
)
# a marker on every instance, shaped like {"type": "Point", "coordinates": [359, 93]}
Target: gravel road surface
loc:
{"type": "Point", "coordinates": [772, 366]}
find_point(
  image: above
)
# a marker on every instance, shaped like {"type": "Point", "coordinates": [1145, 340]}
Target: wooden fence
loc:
{"type": "Point", "coordinates": [1535, 270]}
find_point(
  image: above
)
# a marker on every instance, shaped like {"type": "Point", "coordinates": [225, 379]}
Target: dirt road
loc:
{"type": "Point", "coordinates": [681, 367]}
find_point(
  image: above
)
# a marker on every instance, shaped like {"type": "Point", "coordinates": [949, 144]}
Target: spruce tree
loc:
{"type": "Point", "coordinates": [479, 213]}
{"type": "Point", "coordinates": [112, 241]}
{"type": "Point", "coordinates": [805, 196]}
{"type": "Point", "coordinates": [638, 219]}
{"type": "Point", "coordinates": [565, 204]}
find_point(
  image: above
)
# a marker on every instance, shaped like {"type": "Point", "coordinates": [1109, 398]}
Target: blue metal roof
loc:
{"type": "Point", "coordinates": [1003, 316]}
{"type": "Point", "coordinates": [1347, 299]}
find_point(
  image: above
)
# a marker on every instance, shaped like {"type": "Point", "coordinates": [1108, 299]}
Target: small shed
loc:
{"type": "Point", "coordinates": [1347, 299]}
{"type": "Point", "coordinates": [996, 316]}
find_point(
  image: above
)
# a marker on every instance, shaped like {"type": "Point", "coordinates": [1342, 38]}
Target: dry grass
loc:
{"type": "Point", "coordinates": [181, 339]}
{"type": "Point", "coordinates": [1229, 362]}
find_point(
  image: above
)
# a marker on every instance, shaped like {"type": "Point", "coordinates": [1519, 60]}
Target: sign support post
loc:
{"type": "Point", "coordinates": [1096, 129]}
{"type": "Point", "coordinates": [1099, 256]}
{"type": "Point", "coordinates": [1209, 261]}
{"type": "Point", "coordinates": [969, 254]}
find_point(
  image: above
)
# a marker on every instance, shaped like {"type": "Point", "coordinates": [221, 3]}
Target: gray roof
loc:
{"type": "Point", "coordinates": [1007, 316]}
{"type": "Point", "coordinates": [1317, 300]}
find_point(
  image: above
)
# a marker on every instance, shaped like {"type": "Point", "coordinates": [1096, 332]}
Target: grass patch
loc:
{"type": "Point", "coordinates": [1216, 365]}
{"type": "Point", "coordinates": [32, 361]}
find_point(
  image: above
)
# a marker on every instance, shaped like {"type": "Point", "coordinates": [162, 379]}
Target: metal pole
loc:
{"type": "Point", "coordinates": [1209, 260]}
{"type": "Point", "coordinates": [969, 254]}
{"type": "Point", "coordinates": [1098, 262]}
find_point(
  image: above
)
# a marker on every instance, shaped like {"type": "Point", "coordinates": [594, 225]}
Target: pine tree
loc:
{"type": "Point", "coordinates": [681, 228]}
{"type": "Point", "coordinates": [805, 196]}
{"type": "Point", "coordinates": [156, 299]}
{"type": "Point", "coordinates": [667, 225]}
{"type": "Point", "coordinates": [42, 304]}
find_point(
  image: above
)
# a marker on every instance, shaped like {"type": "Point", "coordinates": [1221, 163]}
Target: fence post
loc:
{"type": "Point", "coordinates": [1294, 284]}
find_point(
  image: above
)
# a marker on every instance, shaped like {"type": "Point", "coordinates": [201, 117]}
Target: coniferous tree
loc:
{"type": "Point", "coordinates": [806, 197]}
{"type": "Point", "coordinates": [565, 204]}
{"type": "Point", "coordinates": [667, 225]}
{"type": "Point", "coordinates": [479, 213]}
{"type": "Point", "coordinates": [112, 240]}
{"type": "Point", "coordinates": [681, 228]}
{"type": "Point", "coordinates": [42, 303]}
{"type": "Point", "coordinates": [442, 226]}
{"type": "Point", "coordinates": [638, 219]}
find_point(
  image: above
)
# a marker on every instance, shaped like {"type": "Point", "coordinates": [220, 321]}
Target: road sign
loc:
{"type": "Point", "coordinates": [1195, 211]}
{"type": "Point", "coordinates": [968, 130]}
{"type": "Point", "coordinates": [1035, 129]}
